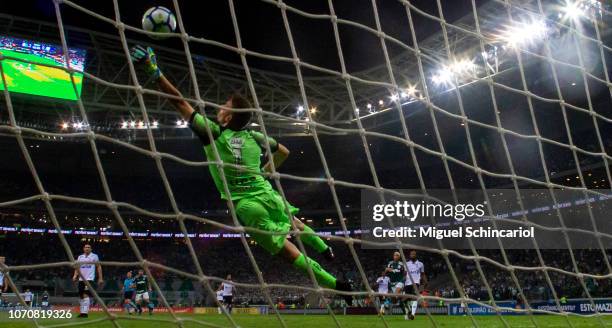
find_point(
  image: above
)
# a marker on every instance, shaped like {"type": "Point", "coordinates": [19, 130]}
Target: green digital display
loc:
{"type": "Point", "coordinates": [22, 74]}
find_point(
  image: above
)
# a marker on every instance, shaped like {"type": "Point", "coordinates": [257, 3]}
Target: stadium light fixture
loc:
{"type": "Point", "coordinates": [155, 124]}
{"type": "Point", "coordinates": [524, 33]}
{"type": "Point", "coordinates": [65, 125]}
{"type": "Point", "coordinates": [464, 66]}
{"type": "Point", "coordinates": [313, 110]}
{"type": "Point", "coordinates": [132, 124]}
{"type": "Point", "coordinates": [140, 124]}
{"type": "Point", "coordinates": [369, 106]}
{"type": "Point", "coordinates": [411, 90]}
{"type": "Point", "coordinates": [381, 102]}
{"type": "Point", "coordinates": [300, 109]}
{"type": "Point", "coordinates": [574, 10]}
{"type": "Point", "coordinates": [403, 94]}
{"type": "Point", "coordinates": [444, 76]}
{"type": "Point", "coordinates": [124, 125]}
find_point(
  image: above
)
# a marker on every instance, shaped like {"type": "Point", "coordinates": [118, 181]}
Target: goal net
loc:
{"type": "Point", "coordinates": [512, 100]}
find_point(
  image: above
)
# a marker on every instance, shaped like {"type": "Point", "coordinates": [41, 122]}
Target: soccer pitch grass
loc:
{"type": "Point", "coordinates": [39, 80]}
{"type": "Point", "coordinates": [319, 321]}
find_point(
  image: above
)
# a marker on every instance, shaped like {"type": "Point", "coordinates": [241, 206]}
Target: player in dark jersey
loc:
{"type": "Point", "coordinates": [143, 288]}
{"type": "Point", "coordinates": [44, 303]}
{"type": "Point", "coordinates": [396, 271]}
{"type": "Point", "coordinates": [257, 204]}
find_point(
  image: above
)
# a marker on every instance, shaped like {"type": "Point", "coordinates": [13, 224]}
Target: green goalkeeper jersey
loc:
{"type": "Point", "coordinates": [243, 148]}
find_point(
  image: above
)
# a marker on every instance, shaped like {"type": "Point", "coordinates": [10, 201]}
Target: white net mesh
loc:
{"type": "Point", "coordinates": [453, 77]}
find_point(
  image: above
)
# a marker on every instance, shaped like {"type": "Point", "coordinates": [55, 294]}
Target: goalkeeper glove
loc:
{"type": "Point", "coordinates": [148, 58]}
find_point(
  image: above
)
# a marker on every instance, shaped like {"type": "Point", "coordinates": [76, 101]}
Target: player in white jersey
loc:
{"type": "Point", "coordinates": [383, 287]}
{"type": "Point", "coordinates": [228, 290]}
{"type": "Point", "coordinates": [415, 278]}
{"type": "Point", "coordinates": [3, 280]}
{"type": "Point", "coordinates": [28, 297]}
{"type": "Point", "coordinates": [219, 299]}
{"type": "Point", "coordinates": [88, 269]}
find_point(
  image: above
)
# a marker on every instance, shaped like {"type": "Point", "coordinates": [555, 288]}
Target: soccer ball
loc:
{"type": "Point", "coordinates": [158, 19]}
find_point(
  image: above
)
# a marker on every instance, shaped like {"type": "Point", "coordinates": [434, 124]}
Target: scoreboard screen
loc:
{"type": "Point", "coordinates": [31, 67]}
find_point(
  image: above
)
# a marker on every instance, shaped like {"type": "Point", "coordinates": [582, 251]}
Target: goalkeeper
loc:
{"type": "Point", "coordinates": [257, 204]}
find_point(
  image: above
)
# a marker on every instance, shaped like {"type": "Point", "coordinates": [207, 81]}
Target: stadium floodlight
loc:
{"type": "Point", "coordinates": [124, 125]}
{"type": "Point", "coordinates": [300, 109]}
{"type": "Point", "coordinates": [381, 102]}
{"type": "Point", "coordinates": [524, 33]}
{"type": "Point", "coordinates": [140, 124]}
{"type": "Point", "coordinates": [443, 76]}
{"type": "Point", "coordinates": [313, 110]}
{"type": "Point", "coordinates": [369, 106]}
{"type": "Point", "coordinates": [574, 10]}
{"type": "Point", "coordinates": [65, 125]}
{"type": "Point", "coordinates": [464, 66]}
{"type": "Point", "coordinates": [411, 90]}
{"type": "Point", "coordinates": [394, 97]}
{"type": "Point", "coordinates": [155, 124]}
{"type": "Point", "coordinates": [132, 124]}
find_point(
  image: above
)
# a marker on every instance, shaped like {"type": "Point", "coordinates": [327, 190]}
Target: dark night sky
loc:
{"type": "Point", "coordinates": [262, 26]}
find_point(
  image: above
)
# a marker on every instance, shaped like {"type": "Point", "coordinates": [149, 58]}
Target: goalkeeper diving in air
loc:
{"type": "Point", "coordinates": [257, 204]}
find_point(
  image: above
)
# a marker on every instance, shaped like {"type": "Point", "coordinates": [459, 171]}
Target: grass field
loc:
{"type": "Point", "coordinates": [318, 321]}
{"type": "Point", "coordinates": [38, 80]}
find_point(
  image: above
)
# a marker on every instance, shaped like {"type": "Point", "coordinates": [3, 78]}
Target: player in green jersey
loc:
{"type": "Point", "coordinates": [143, 288]}
{"type": "Point", "coordinates": [257, 204]}
{"type": "Point", "coordinates": [396, 271]}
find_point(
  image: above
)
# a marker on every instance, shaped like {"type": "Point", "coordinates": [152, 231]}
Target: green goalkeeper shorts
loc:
{"type": "Point", "coordinates": [267, 212]}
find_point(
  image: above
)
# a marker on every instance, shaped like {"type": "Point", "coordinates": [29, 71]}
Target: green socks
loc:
{"type": "Point", "coordinates": [302, 262]}
{"type": "Point", "coordinates": [323, 277]}
{"type": "Point", "coordinates": [313, 240]}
